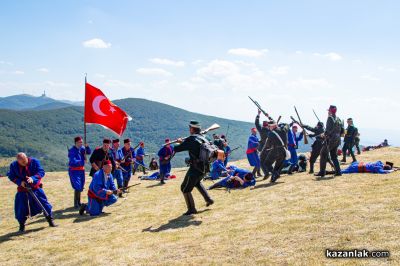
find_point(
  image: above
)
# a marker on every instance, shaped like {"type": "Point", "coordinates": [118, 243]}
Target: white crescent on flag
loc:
{"type": "Point", "coordinates": [96, 105]}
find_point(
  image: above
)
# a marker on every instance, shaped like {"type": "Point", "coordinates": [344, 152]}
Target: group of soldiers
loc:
{"type": "Point", "coordinates": [276, 148]}
{"type": "Point", "coordinates": [278, 144]}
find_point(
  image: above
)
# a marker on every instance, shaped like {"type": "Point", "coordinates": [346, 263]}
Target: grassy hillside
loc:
{"type": "Point", "coordinates": [290, 223]}
{"type": "Point", "coordinates": [47, 133]}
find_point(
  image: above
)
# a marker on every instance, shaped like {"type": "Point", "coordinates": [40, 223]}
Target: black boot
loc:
{"type": "Point", "coordinates": [21, 228]}
{"type": "Point", "coordinates": [120, 193]}
{"type": "Point", "coordinates": [274, 177]}
{"type": "Point", "coordinates": [320, 174]}
{"type": "Point", "coordinates": [204, 193]}
{"type": "Point", "coordinates": [259, 173]}
{"type": "Point", "coordinates": [75, 201]}
{"type": "Point", "coordinates": [290, 170]}
{"type": "Point", "coordinates": [254, 171]}
{"type": "Point", "coordinates": [190, 204]}
{"type": "Point", "coordinates": [126, 183]}
{"type": "Point", "coordinates": [50, 220]}
{"type": "Point", "coordinates": [311, 168]}
{"type": "Point", "coordinates": [82, 209]}
{"type": "Point", "coordinates": [162, 182]}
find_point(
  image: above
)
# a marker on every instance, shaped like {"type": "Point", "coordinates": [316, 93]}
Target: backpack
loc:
{"type": "Point", "coordinates": [208, 152]}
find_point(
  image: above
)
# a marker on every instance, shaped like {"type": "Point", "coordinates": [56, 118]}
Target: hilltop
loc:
{"type": "Point", "coordinates": [291, 222]}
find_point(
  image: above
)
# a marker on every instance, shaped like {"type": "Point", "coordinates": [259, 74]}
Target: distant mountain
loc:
{"type": "Point", "coordinates": [48, 134]}
{"type": "Point", "coordinates": [26, 101]}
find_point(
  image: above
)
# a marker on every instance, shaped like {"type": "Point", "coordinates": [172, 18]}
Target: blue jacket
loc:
{"type": "Point", "coordinates": [293, 140]}
{"type": "Point", "coordinates": [17, 173]}
{"type": "Point", "coordinates": [77, 156]}
{"type": "Point", "coordinates": [252, 144]}
{"type": "Point", "coordinates": [217, 168]}
{"type": "Point", "coordinates": [359, 167]}
{"type": "Point", "coordinates": [100, 184]}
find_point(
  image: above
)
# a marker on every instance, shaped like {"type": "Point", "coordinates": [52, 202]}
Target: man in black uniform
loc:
{"type": "Point", "coordinates": [263, 131]}
{"type": "Point", "coordinates": [316, 147]}
{"type": "Point", "coordinates": [357, 143]}
{"type": "Point", "coordinates": [100, 155]}
{"type": "Point", "coordinates": [277, 144]}
{"type": "Point", "coordinates": [197, 169]}
{"type": "Point", "coordinates": [333, 131]}
{"type": "Point", "coordinates": [219, 142]}
{"type": "Point", "coordinates": [349, 140]}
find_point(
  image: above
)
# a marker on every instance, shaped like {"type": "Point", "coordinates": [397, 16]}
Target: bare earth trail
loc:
{"type": "Point", "coordinates": [291, 222]}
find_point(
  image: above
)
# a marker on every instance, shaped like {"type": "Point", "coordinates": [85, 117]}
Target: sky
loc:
{"type": "Point", "coordinates": [208, 56]}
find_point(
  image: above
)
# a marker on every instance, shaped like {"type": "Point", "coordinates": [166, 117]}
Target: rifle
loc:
{"type": "Point", "coordinates": [259, 108]}
{"type": "Point", "coordinates": [115, 192]}
{"type": "Point", "coordinates": [33, 195]}
{"type": "Point", "coordinates": [212, 127]}
{"type": "Point", "coordinates": [316, 115]}
{"type": "Point", "coordinates": [227, 131]}
{"type": "Point", "coordinates": [234, 149]}
{"type": "Point", "coordinates": [301, 125]}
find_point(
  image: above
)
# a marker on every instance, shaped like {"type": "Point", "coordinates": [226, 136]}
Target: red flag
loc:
{"type": "Point", "coordinates": [100, 110]}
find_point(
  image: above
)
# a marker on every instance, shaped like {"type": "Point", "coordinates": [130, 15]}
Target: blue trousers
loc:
{"type": "Point", "coordinates": [25, 205]}
{"type": "Point", "coordinates": [165, 169]}
{"type": "Point", "coordinates": [95, 207]}
{"type": "Point", "coordinates": [127, 173]}
{"type": "Point", "coordinates": [117, 174]}
{"type": "Point", "coordinates": [294, 159]}
{"type": "Point", "coordinates": [254, 160]}
{"type": "Point", "coordinates": [77, 178]}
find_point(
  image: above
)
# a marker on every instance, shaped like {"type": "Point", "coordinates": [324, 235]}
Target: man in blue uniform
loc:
{"type": "Point", "coordinates": [102, 191]}
{"type": "Point", "coordinates": [129, 154]}
{"type": "Point", "coordinates": [227, 151]}
{"type": "Point", "coordinates": [140, 157]}
{"type": "Point", "coordinates": [240, 178]}
{"type": "Point", "coordinates": [218, 168]}
{"type": "Point", "coordinates": [375, 167]}
{"type": "Point", "coordinates": [117, 155]}
{"type": "Point", "coordinates": [293, 145]}
{"type": "Point", "coordinates": [77, 158]}
{"type": "Point", "coordinates": [165, 156]}
{"type": "Point", "coordinates": [252, 154]}
{"type": "Point", "coordinates": [28, 173]}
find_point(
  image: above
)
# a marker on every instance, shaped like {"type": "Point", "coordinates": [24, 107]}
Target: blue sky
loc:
{"type": "Point", "coordinates": [207, 56]}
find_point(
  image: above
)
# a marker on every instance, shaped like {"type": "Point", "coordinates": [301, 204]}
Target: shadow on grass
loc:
{"type": "Point", "coordinates": [266, 185]}
{"type": "Point", "coordinates": [319, 178]}
{"type": "Point", "coordinates": [86, 217]}
{"type": "Point", "coordinates": [179, 222]}
{"type": "Point", "coordinates": [158, 184]}
{"type": "Point", "coordinates": [9, 236]}
{"type": "Point", "coordinates": [67, 213]}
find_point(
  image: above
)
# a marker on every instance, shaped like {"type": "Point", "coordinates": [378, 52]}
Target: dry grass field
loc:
{"type": "Point", "coordinates": [289, 223]}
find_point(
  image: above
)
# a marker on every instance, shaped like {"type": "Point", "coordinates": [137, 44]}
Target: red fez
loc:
{"type": "Point", "coordinates": [141, 143]}
{"type": "Point", "coordinates": [115, 140]}
{"type": "Point", "coordinates": [106, 141]}
{"type": "Point", "coordinates": [167, 140]}
{"type": "Point", "coordinates": [107, 162]}
{"type": "Point", "coordinates": [294, 126]}
{"type": "Point", "coordinates": [127, 140]}
{"type": "Point", "coordinates": [265, 123]}
{"type": "Point", "coordinates": [254, 129]}
{"type": "Point", "coordinates": [79, 138]}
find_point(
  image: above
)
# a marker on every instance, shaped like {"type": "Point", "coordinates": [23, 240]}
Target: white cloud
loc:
{"type": "Point", "coordinates": [387, 69]}
{"type": "Point", "coordinates": [43, 70]}
{"type": "Point", "coordinates": [331, 56]}
{"type": "Point", "coordinates": [5, 63]}
{"type": "Point", "coordinates": [153, 72]}
{"type": "Point", "coordinates": [370, 77]}
{"type": "Point", "coordinates": [96, 43]}
{"type": "Point", "coordinates": [118, 83]}
{"type": "Point", "coordinates": [279, 70]}
{"type": "Point", "coordinates": [247, 52]}
{"type": "Point", "coordinates": [167, 62]}
{"type": "Point", "coordinates": [56, 84]}
{"type": "Point", "coordinates": [99, 75]}
{"type": "Point", "coordinates": [309, 84]}
{"type": "Point", "coordinates": [90, 21]}
{"type": "Point", "coordinates": [299, 52]}
{"type": "Point", "coordinates": [19, 72]}
{"type": "Point", "coordinates": [198, 62]}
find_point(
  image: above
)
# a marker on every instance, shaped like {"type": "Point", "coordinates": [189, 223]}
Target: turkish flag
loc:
{"type": "Point", "coordinates": [100, 110]}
